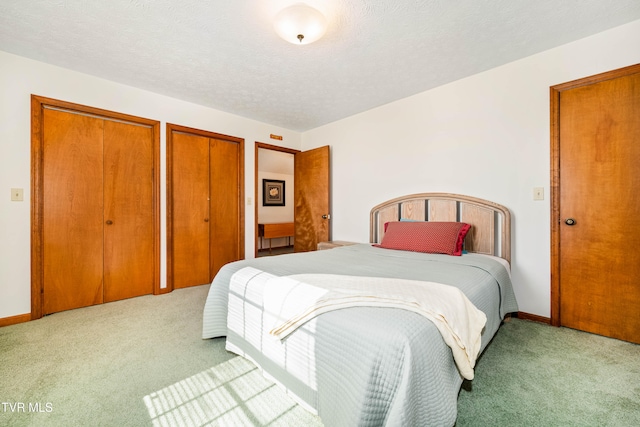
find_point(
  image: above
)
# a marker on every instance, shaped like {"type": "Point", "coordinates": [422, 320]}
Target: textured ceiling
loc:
{"type": "Point", "coordinates": [224, 54]}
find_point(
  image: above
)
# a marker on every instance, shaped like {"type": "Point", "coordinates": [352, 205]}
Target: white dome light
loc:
{"type": "Point", "coordinates": [300, 24]}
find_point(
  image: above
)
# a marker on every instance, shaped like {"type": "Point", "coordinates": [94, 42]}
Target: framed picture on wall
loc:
{"type": "Point", "coordinates": [272, 192]}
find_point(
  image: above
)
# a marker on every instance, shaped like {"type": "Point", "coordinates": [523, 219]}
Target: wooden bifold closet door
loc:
{"type": "Point", "coordinates": [205, 220]}
{"type": "Point", "coordinates": [73, 207]}
{"type": "Point", "coordinates": [94, 192]}
{"type": "Point", "coordinates": [190, 217]}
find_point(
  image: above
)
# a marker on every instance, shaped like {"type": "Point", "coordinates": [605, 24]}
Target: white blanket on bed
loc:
{"type": "Point", "coordinates": [294, 300]}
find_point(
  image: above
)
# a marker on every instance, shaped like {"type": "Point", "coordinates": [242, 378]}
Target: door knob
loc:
{"type": "Point", "coordinates": [109, 222]}
{"type": "Point", "coordinates": [570, 221]}
{"type": "Point", "coordinates": [326, 216]}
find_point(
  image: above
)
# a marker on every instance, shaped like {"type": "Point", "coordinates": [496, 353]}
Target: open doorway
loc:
{"type": "Point", "coordinates": [310, 200]}
{"type": "Point", "coordinates": [274, 200]}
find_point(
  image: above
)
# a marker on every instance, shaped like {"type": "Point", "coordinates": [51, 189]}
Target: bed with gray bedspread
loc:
{"type": "Point", "coordinates": [365, 366]}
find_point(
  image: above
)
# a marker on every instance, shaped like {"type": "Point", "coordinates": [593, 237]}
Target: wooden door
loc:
{"type": "Point", "coordinates": [72, 244]}
{"type": "Point", "coordinates": [205, 219]}
{"type": "Point", "coordinates": [98, 228]}
{"type": "Point", "coordinates": [312, 199]}
{"type": "Point", "coordinates": [128, 211]}
{"type": "Point", "coordinates": [224, 184]}
{"type": "Point", "coordinates": [90, 167]}
{"type": "Point", "coordinates": [190, 210]}
{"type": "Point", "coordinates": [596, 276]}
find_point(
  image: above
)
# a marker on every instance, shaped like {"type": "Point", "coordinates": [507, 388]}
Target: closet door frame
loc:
{"type": "Point", "coordinates": [38, 105]}
{"type": "Point", "coordinates": [170, 129]}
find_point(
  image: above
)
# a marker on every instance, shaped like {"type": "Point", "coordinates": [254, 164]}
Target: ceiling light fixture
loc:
{"type": "Point", "coordinates": [300, 24]}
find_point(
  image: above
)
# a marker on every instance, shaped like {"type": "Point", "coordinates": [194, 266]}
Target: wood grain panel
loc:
{"type": "Point", "coordinates": [414, 209]}
{"type": "Point", "coordinates": [190, 210]}
{"type": "Point", "coordinates": [311, 198]}
{"type": "Point", "coordinates": [481, 236]}
{"type": "Point", "coordinates": [73, 211]}
{"type": "Point", "coordinates": [599, 130]}
{"type": "Point", "coordinates": [225, 203]}
{"type": "Point", "coordinates": [276, 230]}
{"type": "Point", "coordinates": [443, 210]}
{"type": "Point", "coordinates": [128, 211]}
{"type": "Point", "coordinates": [556, 219]}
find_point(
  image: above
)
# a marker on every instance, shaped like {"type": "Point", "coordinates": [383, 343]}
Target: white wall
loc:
{"type": "Point", "coordinates": [485, 136]}
{"type": "Point", "coordinates": [276, 213]}
{"type": "Point", "coordinates": [19, 78]}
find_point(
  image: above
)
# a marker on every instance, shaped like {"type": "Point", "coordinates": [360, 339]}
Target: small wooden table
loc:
{"type": "Point", "coordinates": [276, 230]}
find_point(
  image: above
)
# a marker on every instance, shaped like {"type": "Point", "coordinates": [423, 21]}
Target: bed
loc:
{"type": "Point", "coordinates": [370, 365]}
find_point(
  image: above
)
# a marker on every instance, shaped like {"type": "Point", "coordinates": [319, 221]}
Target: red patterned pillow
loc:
{"type": "Point", "coordinates": [430, 237]}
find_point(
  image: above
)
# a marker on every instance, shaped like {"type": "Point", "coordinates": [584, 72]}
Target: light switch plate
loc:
{"type": "Point", "coordinates": [17, 194]}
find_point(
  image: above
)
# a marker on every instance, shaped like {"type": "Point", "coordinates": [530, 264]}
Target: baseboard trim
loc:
{"type": "Point", "coordinates": [533, 317]}
{"type": "Point", "coordinates": [21, 318]}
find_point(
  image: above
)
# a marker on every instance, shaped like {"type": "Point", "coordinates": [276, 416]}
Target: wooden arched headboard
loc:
{"type": "Point", "coordinates": [490, 222]}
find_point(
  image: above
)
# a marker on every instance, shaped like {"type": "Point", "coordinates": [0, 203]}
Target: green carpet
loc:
{"type": "Point", "coordinates": [537, 375]}
{"type": "Point", "coordinates": [141, 362]}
